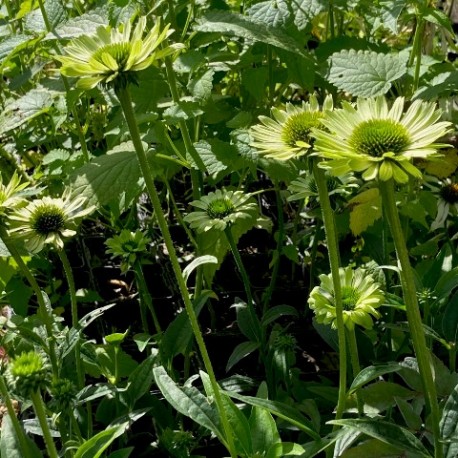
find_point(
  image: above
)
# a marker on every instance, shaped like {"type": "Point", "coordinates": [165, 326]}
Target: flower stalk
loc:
{"type": "Point", "coordinates": [412, 310]}
{"type": "Point", "coordinates": [334, 263]}
{"type": "Point", "coordinates": [126, 104]}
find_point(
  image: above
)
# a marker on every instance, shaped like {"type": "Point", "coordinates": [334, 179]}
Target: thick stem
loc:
{"type": "Point", "coordinates": [334, 262]}
{"type": "Point", "coordinates": [46, 313]}
{"type": "Point", "coordinates": [356, 368]}
{"type": "Point", "coordinates": [74, 312]}
{"type": "Point", "coordinates": [417, 333]}
{"type": "Point", "coordinates": [40, 412]}
{"type": "Point", "coordinates": [126, 104]}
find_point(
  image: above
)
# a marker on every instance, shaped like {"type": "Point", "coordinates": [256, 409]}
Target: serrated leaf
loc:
{"type": "Point", "coordinates": [391, 11]}
{"type": "Point", "coordinates": [201, 87]}
{"type": "Point", "coordinates": [233, 24]}
{"type": "Point", "coordinates": [12, 44]}
{"type": "Point", "coordinates": [306, 10]}
{"type": "Point", "coordinates": [27, 107]}
{"type": "Point", "coordinates": [217, 156]}
{"type": "Point", "coordinates": [366, 73]}
{"type": "Point", "coordinates": [86, 24]}
{"type": "Point", "coordinates": [365, 209]}
{"type": "Point", "coordinates": [107, 177]}
{"type": "Point", "coordinates": [188, 61]}
{"type": "Point", "coordinates": [182, 111]}
{"type": "Point", "coordinates": [56, 14]}
{"type": "Point", "coordinates": [389, 433]}
{"type": "Point", "coordinates": [276, 13]}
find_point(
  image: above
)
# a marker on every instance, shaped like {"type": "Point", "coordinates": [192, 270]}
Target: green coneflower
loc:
{"type": "Point", "coordinates": [10, 194]}
{"type": "Point", "coordinates": [287, 135]}
{"type": "Point", "coordinates": [220, 209]}
{"type": "Point", "coordinates": [113, 55]}
{"type": "Point", "coordinates": [48, 221]}
{"type": "Point", "coordinates": [380, 141]}
{"type": "Point", "coordinates": [129, 246]}
{"type": "Point", "coordinates": [27, 373]}
{"type": "Point", "coordinates": [361, 296]}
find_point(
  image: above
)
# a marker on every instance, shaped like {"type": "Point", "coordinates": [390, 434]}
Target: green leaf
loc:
{"type": "Point", "coordinates": [373, 372]}
{"type": "Point", "coordinates": [14, 44]}
{"type": "Point", "coordinates": [107, 177]}
{"type": "Point", "coordinates": [274, 13]}
{"type": "Point", "coordinates": [189, 401]}
{"type": "Point", "coordinates": [278, 311]}
{"type": "Point", "coordinates": [217, 156]}
{"type": "Point", "coordinates": [449, 425]}
{"type": "Point", "coordinates": [55, 11]}
{"type": "Point", "coordinates": [182, 111]}
{"type": "Point", "coordinates": [201, 87]}
{"type": "Point", "coordinates": [413, 419]}
{"type": "Point", "coordinates": [366, 208]}
{"type": "Point", "coordinates": [306, 10]}
{"type": "Point", "coordinates": [233, 24]}
{"type": "Point", "coordinates": [366, 73]}
{"type": "Point", "coordinates": [140, 380]}
{"type": "Point", "coordinates": [284, 411]}
{"type": "Point", "coordinates": [373, 448]}
{"type": "Point", "coordinates": [450, 320]}
{"type": "Point", "coordinates": [122, 453]}
{"type": "Point", "coordinates": [36, 102]}
{"type": "Point", "coordinates": [389, 433]}
{"type": "Point", "coordinates": [391, 10]}
{"type": "Point", "coordinates": [380, 395]}
{"type": "Point", "coordinates": [285, 449]}
{"type": "Point", "coordinates": [201, 260]}
{"type": "Point", "coordinates": [96, 445]}
{"type": "Point", "coordinates": [86, 24]}
{"type": "Point", "coordinates": [9, 443]}
{"type": "Point", "coordinates": [241, 351]}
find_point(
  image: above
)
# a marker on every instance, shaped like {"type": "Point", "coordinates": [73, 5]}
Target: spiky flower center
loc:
{"type": "Point", "coordinates": [379, 136]}
{"type": "Point", "coordinates": [350, 297]}
{"type": "Point", "coordinates": [120, 52]}
{"type": "Point", "coordinates": [48, 219]}
{"type": "Point", "coordinates": [220, 208]}
{"type": "Point", "coordinates": [449, 193]}
{"type": "Point", "coordinates": [298, 126]}
{"type": "Point", "coordinates": [26, 365]}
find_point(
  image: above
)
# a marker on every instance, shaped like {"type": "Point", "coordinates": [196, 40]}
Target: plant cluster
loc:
{"type": "Point", "coordinates": [228, 228]}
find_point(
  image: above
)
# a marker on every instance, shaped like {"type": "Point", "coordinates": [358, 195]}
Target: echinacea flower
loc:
{"type": "Point", "coordinates": [48, 221]}
{"type": "Point", "coordinates": [27, 373]}
{"type": "Point", "coordinates": [380, 141]}
{"type": "Point", "coordinates": [129, 246]}
{"type": "Point", "coordinates": [446, 191]}
{"type": "Point", "coordinates": [112, 55]}
{"type": "Point", "coordinates": [361, 296]}
{"type": "Point", "coordinates": [221, 209]}
{"type": "Point", "coordinates": [287, 135]}
{"type": "Point", "coordinates": [10, 194]}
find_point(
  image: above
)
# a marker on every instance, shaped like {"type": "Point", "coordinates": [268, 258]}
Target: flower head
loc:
{"type": "Point", "coordinates": [446, 192]}
{"type": "Point", "coordinates": [380, 141]}
{"type": "Point", "coordinates": [27, 373]}
{"type": "Point", "coordinates": [361, 296]}
{"type": "Point", "coordinates": [220, 209]}
{"type": "Point", "coordinates": [113, 55]}
{"type": "Point", "coordinates": [48, 221]}
{"type": "Point", "coordinates": [10, 194]}
{"type": "Point", "coordinates": [287, 135]}
{"type": "Point", "coordinates": [129, 246]}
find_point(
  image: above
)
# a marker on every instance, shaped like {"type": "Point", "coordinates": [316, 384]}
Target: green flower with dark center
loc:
{"type": "Point", "coordinates": [220, 209]}
{"type": "Point", "coordinates": [129, 246]}
{"type": "Point", "coordinates": [446, 192]}
{"type": "Point", "coordinates": [11, 194]}
{"type": "Point", "coordinates": [287, 135]}
{"type": "Point", "coordinates": [112, 56]}
{"type": "Point", "coordinates": [48, 221]}
{"type": "Point", "coordinates": [379, 141]}
{"type": "Point", "coordinates": [361, 296]}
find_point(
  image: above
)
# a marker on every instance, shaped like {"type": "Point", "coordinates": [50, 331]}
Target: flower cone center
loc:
{"type": "Point", "coordinates": [220, 208]}
{"type": "Point", "coordinates": [448, 192]}
{"type": "Point", "coordinates": [350, 297]}
{"type": "Point", "coordinates": [379, 136]}
{"type": "Point", "coordinates": [119, 51]}
{"type": "Point", "coordinates": [297, 127]}
{"type": "Point", "coordinates": [48, 220]}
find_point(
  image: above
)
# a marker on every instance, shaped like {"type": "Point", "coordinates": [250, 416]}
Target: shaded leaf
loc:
{"type": "Point", "coordinates": [365, 209]}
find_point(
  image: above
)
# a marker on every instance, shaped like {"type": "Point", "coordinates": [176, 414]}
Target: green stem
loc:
{"type": "Point", "coordinates": [126, 104]}
{"type": "Point", "coordinates": [356, 368]}
{"type": "Point", "coordinates": [40, 412]}
{"type": "Point", "coordinates": [74, 312]}
{"type": "Point", "coordinates": [20, 435]}
{"type": "Point", "coordinates": [278, 251]}
{"type": "Point", "coordinates": [145, 297]}
{"type": "Point", "coordinates": [415, 55]}
{"type": "Point", "coordinates": [412, 310]}
{"type": "Point", "coordinates": [334, 263]}
{"type": "Point", "coordinates": [46, 313]}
